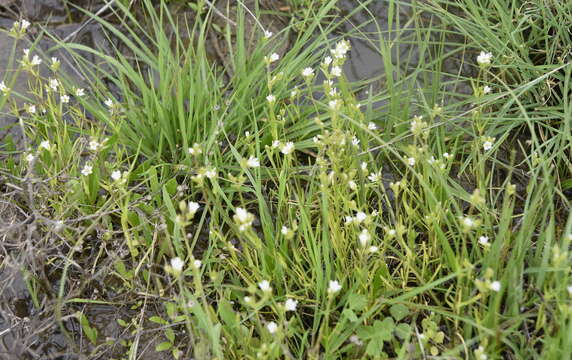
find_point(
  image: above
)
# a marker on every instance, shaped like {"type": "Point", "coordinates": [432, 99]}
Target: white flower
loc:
{"type": "Point", "coordinates": [569, 288]}
{"type": "Point", "coordinates": [252, 162]}
{"type": "Point", "coordinates": [487, 90]}
{"type": "Point", "coordinates": [116, 175]}
{"type": "Point", "coordinates": [375, 177]}
{"type": "Point", "coordinates": [468, 222]}
{"type": "Point", "coordinates": [355, 141]}
{"type": "Point", "coordinates": [484, 58]}
{"type": "Point", "coordinates": [264, 285]}
{"type": "Point", "coordinates": [36, 60]}
{"type": "Point", "coordinates": [80, 92]}
{"type": "Point", "coordinates": [391, 232]}
{"type": "Point", "coordinates": [334, 287]}
{"type": "Point", "coordinates": [193, 207]}
{"type": "Point", "coordinates": [243, 218]}
{"type": "Point", "coordinates": [360, 217]}
{"type": "Point", "coordinates": [267, 34]}
{"type": "Point", "coordinates": [87, 170]}
{"type": "Point", "coordinates": [177, 265]}
{"type": "Point", "coordinates": [327, 60]}
{"type": "Point", "coordinates": [197, 264]}
{"type": "Point", "coordinates": [247, 299]}
{"type": "Point", "coordinates": [488, 143]}
{"type": "Point", "coordinates": [336, 71]}
{"type": "Point", "coordinates": [274, 57]}
{"type": "Point", "coordinates": [352, 184]}
{"type": "Point", "coordinates": [30, 157]}
{"type": "Point", "coordinates": [32, 109]}
{"type": "Point", "coordinates": [308, 72]}
{"type": "Point", "coordinates": [108, 103]}
{"type": "Point", "coordinates": [271, 98]}
{"type": "Point", "coordinates": [372, 126]}
{"type": "Point", "coordinates": [354, 339]}
{"type": "Point", "coordinates": [431, 160]}
{"type": "Point", "coordinates": [483, 240]}
{"type": "Point", "coordinates": [287, 148]}
{"type": "Point", "coordinates": [3, 87]}
{"type": "Point", "coordinates": [364, 237]}
{"type": "Point", "coordinates": [26, 52]}
{"type": "Point", "coordinates": [45, 145]}
{"type": "Point", "coordinates": [54, 83]}
{"type": "Point", "coordinates": [284, 230]}
{"type": "Point", "coordinates": [495, 286]}
{"type": "Point", "coordinates": [290, 305]}
{"type": "Point", "coordinates": [276, 144]}
{"type": "Point", "coordinates": [341, 49]}
{"type": "Point", "coordinates": [55, 60]}
{"type": "Point", "coordinates": [24, 25]}
{"type": "Point", "coordinates": [94, 145]}
{"type": "Point", "coordinates": [373, 249]}
{"type": "Point", "coordinates": [363, 166]}
{"type": "Point", "coordinates": [447, 156]}
{"type": "Point", "coordinates": [334, 104]}
{"type": "Point", "coordinates": [411, 161]}
{"type": "Point", "coordinates": [64, 99]}
{"type": "Point", "coordinates": [272, 327]}
{"type": "Point", "coordinates": [211, 173]}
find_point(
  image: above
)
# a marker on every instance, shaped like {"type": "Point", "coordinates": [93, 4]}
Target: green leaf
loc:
{"type": "Point", "coordinates": [158, 320]}
{"type": "Point", "coordinates": [163, 346]}
{"type": "Point", "coordinates": [383, 329]}
{"type": "Point", "coordinates": [170, 335]}
{"type": "Point", "coordinates": [122, 322]}
{"type": "Point", "coordinates": [89, 331]}
{"type": "Point", "coordinates": [399, 311]}
{"type": "Point", "coordinates": [403, 330]}
{"type": "Point", "coordinates": [357, 302]}
{"type": "Point", "coordinates": [350, 315]}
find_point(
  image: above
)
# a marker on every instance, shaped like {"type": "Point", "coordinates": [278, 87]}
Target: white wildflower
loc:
{"type": "Point", "coordinates": [484, 240]}
{"type": "Point", "coordinates": [54, 83]}
{"type": "Point", "coordinates": [267, 34]}
{"type": "Point", "coordinates": [272, 327]}
{"type": "Point", "coordinates": [4, 88]}
{"type": "Point", "coordinates": [264, 285]}
{"type": "Point", "coordinates": [108, 103]}
{"type": "Point", "coordinates": [373, 249]}
{"type": "Point", "coordinates": [336, 71]}
{"type": "Point", "coordinates": [288, 148]}
{"type": "Point", "coordinates": [375, 177]}
{"type": "Point", "coordinates": [36, 60]}
{"type": "Point", "coordinates": [64, 99]}
{"type": "Point", "coordinates": [334, 287]}
{"type": "Point", "coordinates": [80, 92]}
{"type": "Point", "coordinates": [308, 72]}
{"type": "Point", "coordinates": [177, 265]}
{"type": "Point", "coordinates": [32, 109]}
{"type": "Point", "coordinates": [411, 161]}
{"type": "Point", "coordinates": [327, 60]}
{"type": "Point", "coordinates": [495, 286]}
{"type": "Point", "coordinates": [253, 162]}
{"type": "Point", "coordinates": [372, 126]}
{"type": "Point", "coordinates": [271, 98]}
{"type": "Point", "coordinates": [45, 145]}
{"type": "Point", "coordinates": [487, 90]}
{"type": "Point", "coordinates": [290, 305]}
{"type": "Point", "coordinates": [87, 170]}
{"type": "Point", "coordinates": [484, 58]}
{"type": "Point", "coordinates": [197, 264]}
{"type": "Point", "coordinates": [364, 237]}
{"type": "Point", "coordinates": [116, 175]}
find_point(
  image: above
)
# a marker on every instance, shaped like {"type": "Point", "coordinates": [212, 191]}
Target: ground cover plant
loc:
{"type": "Point", "coordinates": [267, 207]}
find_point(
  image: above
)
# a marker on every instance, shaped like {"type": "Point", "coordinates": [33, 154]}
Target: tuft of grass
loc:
{"type": "Point", "coordinates": [273, 214]}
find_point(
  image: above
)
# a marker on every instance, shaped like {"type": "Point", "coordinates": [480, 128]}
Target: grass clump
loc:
{"type": "Point", "coordinates": [279, 215]}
